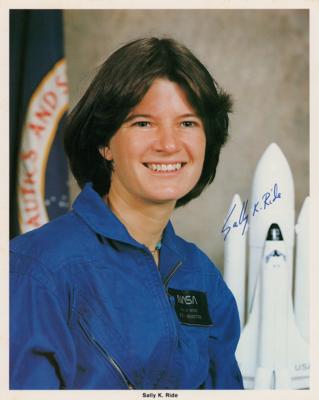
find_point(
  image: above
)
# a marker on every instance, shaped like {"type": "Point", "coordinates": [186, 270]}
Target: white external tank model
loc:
{"type": "Point", "coordinates": [272, 200]}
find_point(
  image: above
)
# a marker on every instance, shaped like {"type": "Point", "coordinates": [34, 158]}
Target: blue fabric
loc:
{"type": "Point", "coordinates": [89, 309]}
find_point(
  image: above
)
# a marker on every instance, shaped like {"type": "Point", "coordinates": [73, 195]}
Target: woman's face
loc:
{"type": "Point", "coordinates": [158, 152]}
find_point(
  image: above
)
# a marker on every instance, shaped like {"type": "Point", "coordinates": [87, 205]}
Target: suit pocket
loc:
{"type": "Point", "coordinates": [106, 355]}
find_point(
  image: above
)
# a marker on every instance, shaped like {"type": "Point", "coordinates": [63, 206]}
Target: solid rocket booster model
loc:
{"type": "Point", "coordinates": [235, 256]}
{"type": "Point", "coordinates": [301, 295]}
{"type": "Point", "coordinates": [272, 353]}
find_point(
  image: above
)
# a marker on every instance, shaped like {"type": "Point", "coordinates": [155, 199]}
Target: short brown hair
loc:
{"type": "Point", "coordinates": [120, 85]}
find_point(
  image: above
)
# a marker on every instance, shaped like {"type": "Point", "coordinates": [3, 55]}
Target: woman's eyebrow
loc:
{"type": "Point", "coordinates": [133, 116]}
{"type": "Point", "coordinates": [189, 115]}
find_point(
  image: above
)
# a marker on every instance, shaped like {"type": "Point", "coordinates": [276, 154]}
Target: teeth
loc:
{"type": "Point", "coordinates": [165, 167]}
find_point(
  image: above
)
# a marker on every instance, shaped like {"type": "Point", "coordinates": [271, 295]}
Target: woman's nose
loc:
{"type": "Point", "coordinates": [168, 140]}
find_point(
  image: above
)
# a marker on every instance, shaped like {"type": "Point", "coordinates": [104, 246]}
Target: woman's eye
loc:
{"type": "Point", "coordinates": [188, 124]}
{"type": "Point", "coordinates": [142, 124]}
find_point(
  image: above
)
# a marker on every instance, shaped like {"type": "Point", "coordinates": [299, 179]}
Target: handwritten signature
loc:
{"type": "Point", "coordinates": [265, 201]}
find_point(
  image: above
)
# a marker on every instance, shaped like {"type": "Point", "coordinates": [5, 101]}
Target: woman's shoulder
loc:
{"type": "Point", "coordinates": [51, 244]}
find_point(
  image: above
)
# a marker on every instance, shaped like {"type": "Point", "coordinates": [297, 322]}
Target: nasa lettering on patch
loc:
{"type": "Point", "coordinates": [191, 307]}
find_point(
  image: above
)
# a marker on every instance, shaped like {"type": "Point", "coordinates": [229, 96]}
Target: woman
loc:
{"type": "Point", "coordinates": [108, 296]}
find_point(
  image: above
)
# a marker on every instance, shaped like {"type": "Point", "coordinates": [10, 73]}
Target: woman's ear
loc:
{"type": "Point", "coordinates": [106, 153]}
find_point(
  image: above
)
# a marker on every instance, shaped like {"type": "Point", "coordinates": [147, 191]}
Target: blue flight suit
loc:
{"type": "Point", "coordinates": [89, 309]}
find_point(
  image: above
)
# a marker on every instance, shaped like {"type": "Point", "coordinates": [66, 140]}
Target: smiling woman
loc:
{"type": "Point", "coordinates": [108, 296]}
{"type": "Point", "coordinates": [158, 152]}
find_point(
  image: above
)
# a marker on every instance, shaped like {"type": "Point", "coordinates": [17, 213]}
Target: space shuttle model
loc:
{"type": "Point", "coordinates": [273, 350]}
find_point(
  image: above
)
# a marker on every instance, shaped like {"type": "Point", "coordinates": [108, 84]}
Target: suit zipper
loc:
{"type": "Point", "coordinates": [171, 274]}
{"type": "Point", "coordinates": [106, 356]}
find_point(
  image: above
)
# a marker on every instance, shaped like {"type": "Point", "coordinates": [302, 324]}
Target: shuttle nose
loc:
{"type": "Point", "coordinates": [274, 233]}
